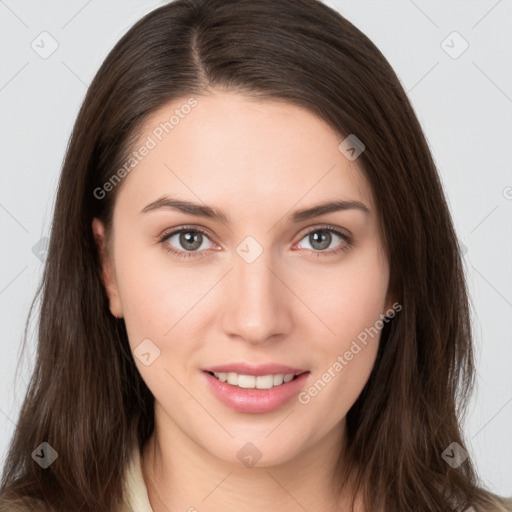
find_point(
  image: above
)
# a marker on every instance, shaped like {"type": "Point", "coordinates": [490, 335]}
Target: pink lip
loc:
{"type": "Point", "coordinates": [249, 369]}
{"type": "Point", "coordinates": [255, 400]}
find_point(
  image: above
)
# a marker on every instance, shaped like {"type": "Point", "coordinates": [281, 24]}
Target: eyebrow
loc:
{"type": "Point", "coordinates": [201, 210]}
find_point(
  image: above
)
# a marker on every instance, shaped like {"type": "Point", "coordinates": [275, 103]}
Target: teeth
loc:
{"type": "Point", "coordinates": [278, 379]}
{"type": "Point", "coordinates": [253, 382]}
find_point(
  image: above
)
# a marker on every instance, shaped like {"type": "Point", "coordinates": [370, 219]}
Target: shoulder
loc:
{"type": "Point", "coordinates": [497, 504]}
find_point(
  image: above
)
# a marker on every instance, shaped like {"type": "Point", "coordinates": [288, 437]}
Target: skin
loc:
{"type": "Point", "coordinates": [257, 161]}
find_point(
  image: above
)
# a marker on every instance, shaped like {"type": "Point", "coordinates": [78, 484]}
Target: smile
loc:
{"type": "Point", "coordinates": [255, 394]}
{"type": "Point", "coordinates": [253, 381]}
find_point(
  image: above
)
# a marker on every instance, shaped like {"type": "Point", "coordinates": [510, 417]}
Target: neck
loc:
{"type": "Point", "coordinates": [181, 475]}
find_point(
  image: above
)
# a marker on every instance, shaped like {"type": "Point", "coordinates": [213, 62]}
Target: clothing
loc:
{"type": "Point", "coordinates": [136, 493]}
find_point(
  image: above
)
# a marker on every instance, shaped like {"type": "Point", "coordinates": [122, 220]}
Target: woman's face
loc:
{"type": "Point", "coordinates": [251, 280]}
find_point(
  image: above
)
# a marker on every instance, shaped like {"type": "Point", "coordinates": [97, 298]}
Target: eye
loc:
{"type": "Point", "coordinates": [188, 242]}
{"type": "Point", "coordinates": [321, 238]}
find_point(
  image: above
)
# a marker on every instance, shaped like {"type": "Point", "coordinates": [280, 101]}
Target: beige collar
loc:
{"type": "Point", "coordinates": [136, 493]}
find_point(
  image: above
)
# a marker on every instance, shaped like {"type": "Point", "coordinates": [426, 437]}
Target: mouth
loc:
{"type": "Point", "coordinates": [246, 393]}
{"type": "Point", "coordinates": [245, 381]}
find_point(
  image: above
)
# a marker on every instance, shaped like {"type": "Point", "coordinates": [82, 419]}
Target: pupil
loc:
{"type": "Point", "coordinates": [324, 236]}
{"type": "Point", "coordinates": [191, 240]}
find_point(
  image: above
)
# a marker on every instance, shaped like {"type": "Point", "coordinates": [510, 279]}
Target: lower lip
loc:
{"type": "Point", "coordinates": [255, 400]}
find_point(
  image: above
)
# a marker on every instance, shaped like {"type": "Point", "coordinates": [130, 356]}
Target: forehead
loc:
{"type": "Point", "coordinates": [227, 148]}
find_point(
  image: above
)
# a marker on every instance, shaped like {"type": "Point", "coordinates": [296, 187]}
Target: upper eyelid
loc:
{"type": "Point", "coordinates": [174, 231]}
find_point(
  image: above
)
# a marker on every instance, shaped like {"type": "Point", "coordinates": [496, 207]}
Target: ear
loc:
{"type": "Point", "coordinates": [107, 270]}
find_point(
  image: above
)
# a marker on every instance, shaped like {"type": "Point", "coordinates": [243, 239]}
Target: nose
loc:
{"type": "Point", "coordinates": [257, 301]}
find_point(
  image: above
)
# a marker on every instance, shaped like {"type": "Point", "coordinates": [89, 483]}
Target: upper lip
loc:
{"type": "Point", "coordinates": [251, 369]}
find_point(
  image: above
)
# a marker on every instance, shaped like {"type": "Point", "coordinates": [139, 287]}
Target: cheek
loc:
{"type": "Point", "coordinates": [155, 313]}
{"type": "Point", "coordinates": [347, 299]}
{"type": "Point", "coordinates": [335, 388]}
{"type": "Point", "coordinates": [344, 298]}
{"type": "Point", "coordinates": [166, 305]}
{"type": "Point", "coordinates": [351, 304]}
{"type": "Point", "coordinates": [155, 294]}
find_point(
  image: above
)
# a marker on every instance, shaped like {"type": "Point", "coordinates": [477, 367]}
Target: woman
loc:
{"type": "Point", "coordinates": [253, 295]}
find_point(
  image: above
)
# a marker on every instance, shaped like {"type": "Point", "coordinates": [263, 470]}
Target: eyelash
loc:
{"type": "Point", "coordinates": [199, 254]}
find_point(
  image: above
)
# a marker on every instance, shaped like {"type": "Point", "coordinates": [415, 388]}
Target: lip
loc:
{"type": "Point", "coordinates": [256, 370]}
{"type": "Point", "coordinates": [255, 401]}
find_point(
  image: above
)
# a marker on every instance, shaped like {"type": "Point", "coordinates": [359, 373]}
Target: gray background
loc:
{"type": "Point", "coordinates": [463, 103]}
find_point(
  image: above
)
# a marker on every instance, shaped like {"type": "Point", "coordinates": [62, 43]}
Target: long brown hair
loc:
{"type": "Point", "coordinates": [86, 397]}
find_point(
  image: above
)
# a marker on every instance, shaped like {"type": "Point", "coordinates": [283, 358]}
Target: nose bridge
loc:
{"type": "Point", "coordinates": [256, 308]}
